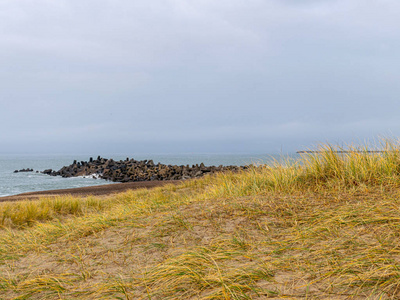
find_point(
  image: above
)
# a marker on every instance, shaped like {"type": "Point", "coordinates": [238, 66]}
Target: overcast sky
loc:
{"type": "Point", "coordinates": [196, 76]}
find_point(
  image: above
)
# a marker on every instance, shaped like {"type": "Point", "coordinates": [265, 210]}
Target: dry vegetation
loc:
{"type": "Point", "coordinates": [325, 227]}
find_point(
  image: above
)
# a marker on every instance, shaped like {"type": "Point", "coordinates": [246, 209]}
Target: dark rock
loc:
{"type": "Point", "coordinates": [132, 170]}
{"type": "Point", "coordinates": [24, 170]}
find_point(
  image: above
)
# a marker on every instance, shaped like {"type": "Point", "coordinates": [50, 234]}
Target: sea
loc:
{"type": "Point", "coordinates": [16, 183]}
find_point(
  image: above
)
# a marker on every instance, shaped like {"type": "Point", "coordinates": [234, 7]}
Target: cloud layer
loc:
{"type": "Point", "coordinates": [200, 76]}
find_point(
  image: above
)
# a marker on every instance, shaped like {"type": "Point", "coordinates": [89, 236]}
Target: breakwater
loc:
{"type": "Point", "coordinates": [131, 170]}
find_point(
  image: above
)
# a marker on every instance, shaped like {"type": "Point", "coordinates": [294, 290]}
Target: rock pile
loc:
{"type": "Point", "coordinates": [23, 170]}
{"type": "Point", "coordinates": [130, 170]}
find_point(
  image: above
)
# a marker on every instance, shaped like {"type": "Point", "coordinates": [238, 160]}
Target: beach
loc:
{"type": "Point", "coordinates": [99, 190]}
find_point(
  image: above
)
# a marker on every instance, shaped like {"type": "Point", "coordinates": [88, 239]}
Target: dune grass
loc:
{"type": "Point", "coordinates": [324, 227]}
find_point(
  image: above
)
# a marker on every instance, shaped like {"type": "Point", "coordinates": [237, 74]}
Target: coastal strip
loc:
{"type": "Point", "coordinates": [98, 190]}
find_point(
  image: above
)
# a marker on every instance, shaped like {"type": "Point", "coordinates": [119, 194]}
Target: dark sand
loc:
{"type": "Point", "coordinates": [99, 190]}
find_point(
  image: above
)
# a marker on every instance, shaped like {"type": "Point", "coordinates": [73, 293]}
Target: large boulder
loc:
{"type": "Point", "coordinates": [47, 171]}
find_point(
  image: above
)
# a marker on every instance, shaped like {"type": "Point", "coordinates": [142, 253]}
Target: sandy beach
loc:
{"type": "Point", "coordinates": [99, 190]}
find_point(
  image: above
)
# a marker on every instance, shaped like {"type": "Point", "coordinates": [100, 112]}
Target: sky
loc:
{"type": "Point", "coordinates": [198, 76]}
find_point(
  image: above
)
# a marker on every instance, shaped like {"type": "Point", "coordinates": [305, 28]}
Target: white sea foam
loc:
{"type": "Point", "coordinates": [91, 176]}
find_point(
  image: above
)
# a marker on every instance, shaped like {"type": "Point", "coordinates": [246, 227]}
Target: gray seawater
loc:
{"type": "Point", "coordinates": [17, 183]}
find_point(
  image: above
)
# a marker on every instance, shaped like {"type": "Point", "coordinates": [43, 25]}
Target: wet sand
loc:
{"type": "Point", "coordinates": [99, 190]}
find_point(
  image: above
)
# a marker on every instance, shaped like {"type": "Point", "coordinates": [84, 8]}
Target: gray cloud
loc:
{"type": "Point", "coordinates": [199, 76]}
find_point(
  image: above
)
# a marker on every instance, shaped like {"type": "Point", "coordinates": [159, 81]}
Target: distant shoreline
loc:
{"type": "Point", "coordinates": [97, 190]}
{"type": "Point", "coordinates": [340, 151]}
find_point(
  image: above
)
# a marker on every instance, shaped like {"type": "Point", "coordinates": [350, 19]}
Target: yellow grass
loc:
{"type": "Point", "coordinates": [324, 227]}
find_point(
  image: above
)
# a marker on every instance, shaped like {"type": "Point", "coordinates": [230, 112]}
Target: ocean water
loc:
{"type": "Point", "coordinates": [16, 183]}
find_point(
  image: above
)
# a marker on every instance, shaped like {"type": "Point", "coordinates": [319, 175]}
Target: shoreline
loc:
{"type": "Point", "coordinates": [97, 190]}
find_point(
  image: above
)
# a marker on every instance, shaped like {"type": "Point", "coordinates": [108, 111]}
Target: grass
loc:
{"type": "Point", "coordinates": [324, 227]}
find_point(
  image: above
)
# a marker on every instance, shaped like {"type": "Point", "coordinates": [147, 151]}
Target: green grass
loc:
{"type": "Point", "coordinates": [324, 227]}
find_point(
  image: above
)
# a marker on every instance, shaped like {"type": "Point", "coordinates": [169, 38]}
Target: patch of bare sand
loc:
{"type": "Point", "coordinates": [99, 190]}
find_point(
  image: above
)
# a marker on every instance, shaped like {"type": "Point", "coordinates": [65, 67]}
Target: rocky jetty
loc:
{"type": "Point", "coordinates": [131, 170]}
{"type": "Point", "coordinates": [23, 170]}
